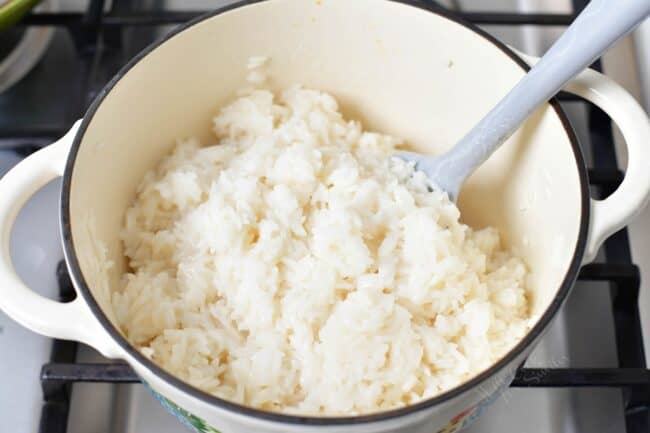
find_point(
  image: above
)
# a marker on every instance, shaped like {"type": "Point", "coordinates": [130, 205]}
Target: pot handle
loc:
{"type": "Point", "coordinates": [71, 320]}
{"type": "Point", "coordinates": [615, 212]}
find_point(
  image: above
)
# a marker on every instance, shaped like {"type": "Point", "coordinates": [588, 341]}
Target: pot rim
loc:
{"type": "Point", "coordinates": [240, 409]}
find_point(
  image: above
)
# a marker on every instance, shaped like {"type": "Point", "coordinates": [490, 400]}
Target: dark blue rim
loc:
{"type": "Point", "coordinates": [530, 338]}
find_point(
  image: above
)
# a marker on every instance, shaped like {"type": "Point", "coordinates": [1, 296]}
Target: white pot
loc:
{"type": "Point", "coordinates": [403, 70]}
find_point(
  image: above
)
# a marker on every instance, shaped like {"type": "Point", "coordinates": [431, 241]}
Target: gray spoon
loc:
{"type": "Point", "coordinates": [599, 25]}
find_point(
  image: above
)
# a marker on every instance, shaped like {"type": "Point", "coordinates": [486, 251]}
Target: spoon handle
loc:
{"type": "Point", "coordinates": [599, 25]}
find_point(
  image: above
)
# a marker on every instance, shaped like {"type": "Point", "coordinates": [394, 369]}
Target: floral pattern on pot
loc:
{"type": "Point", "coordinates": [188, 419]}
{"type": "Point", "coordinates": [469, 415]}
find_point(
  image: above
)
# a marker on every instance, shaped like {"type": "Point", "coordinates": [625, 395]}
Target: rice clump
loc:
{"type": "Point", "coordinates": [292, 265]}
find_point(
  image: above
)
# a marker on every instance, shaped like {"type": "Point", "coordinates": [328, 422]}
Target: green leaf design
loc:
{"type": "Point", "coordinates": [187, 418]}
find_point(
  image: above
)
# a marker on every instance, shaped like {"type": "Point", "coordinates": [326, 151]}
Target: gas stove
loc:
{"type": "Point", "coordinates": [588, 374]}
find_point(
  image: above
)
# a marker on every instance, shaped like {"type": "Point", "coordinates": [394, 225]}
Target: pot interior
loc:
{"type": "Point", "coordinates": [399, 69]}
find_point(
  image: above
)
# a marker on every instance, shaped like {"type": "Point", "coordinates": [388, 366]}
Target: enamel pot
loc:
{"type": "Point", "coordinates": [400, 68]}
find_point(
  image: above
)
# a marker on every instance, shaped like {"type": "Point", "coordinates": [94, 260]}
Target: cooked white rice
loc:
{"type": "Point", "coordinates": [291, 265]}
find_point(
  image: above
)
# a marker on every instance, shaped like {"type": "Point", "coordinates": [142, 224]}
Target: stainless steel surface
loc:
{"type": "Point", "coordinates": [36, 99]}
{"type": "Point", "coordinates": [642, 45]}
{"type": "Point", "coordinates": [641, 239]}
{"type": "Point", "coordinates": [36, 250]}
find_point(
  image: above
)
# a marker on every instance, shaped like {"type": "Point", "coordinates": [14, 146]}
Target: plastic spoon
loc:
{"type": "Point", "coordinates": [599, 25]}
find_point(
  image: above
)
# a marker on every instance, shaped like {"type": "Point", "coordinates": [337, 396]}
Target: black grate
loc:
{"type": "Point", "coordinates": [102, 48]}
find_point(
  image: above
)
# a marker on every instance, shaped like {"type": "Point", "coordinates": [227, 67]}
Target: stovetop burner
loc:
{"type": "Point", "coordinates": [90, 47]}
